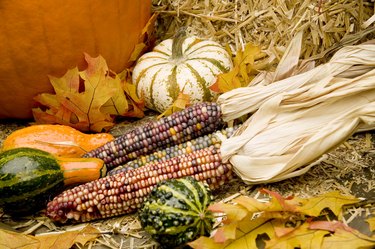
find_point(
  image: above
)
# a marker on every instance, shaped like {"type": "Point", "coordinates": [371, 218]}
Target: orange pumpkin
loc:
{"type": "Point", "coordinates": [41, 38]}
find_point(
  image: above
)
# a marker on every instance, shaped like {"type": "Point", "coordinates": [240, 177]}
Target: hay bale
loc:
{"type": "Point", "coordinates": [271, 24]}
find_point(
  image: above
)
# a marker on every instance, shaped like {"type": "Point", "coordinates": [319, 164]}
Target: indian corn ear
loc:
{"type": "Point", "coordinates": [182, 126]}
{"type": "Point", "coordinates": [124, 192]}
{"type": "Point", "coordinates": [176, 150]}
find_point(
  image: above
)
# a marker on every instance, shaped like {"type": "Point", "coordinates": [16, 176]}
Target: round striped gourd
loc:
{"type": "Point", "coordinates": [176, 212]}
{"type": "Point", "coordinates": [182, 64]}
{"type": "Point", "coordinates": [29, 176]}
{"type": "Point", "coordinates": [41, 38]}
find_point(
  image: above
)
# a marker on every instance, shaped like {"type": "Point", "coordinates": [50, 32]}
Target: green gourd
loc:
{"type": "Point", "coordinates": [30, 177]}
{"type": "Point", "coordinates": [176, 212]}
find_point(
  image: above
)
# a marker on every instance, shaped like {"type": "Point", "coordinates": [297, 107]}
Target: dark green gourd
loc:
{"type": "Point", "coordinates": [176, 212]}
{"type": "Point", "coordinates": [29, 178]}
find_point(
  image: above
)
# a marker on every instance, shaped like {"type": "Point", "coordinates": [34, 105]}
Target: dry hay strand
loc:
{"type": "Point", "coordinates": [270, 24]}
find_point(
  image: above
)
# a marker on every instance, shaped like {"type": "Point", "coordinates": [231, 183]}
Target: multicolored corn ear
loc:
{"type": "Point", "coordinates": [125, 192]}
{"type": "Point", "coordinates": [176, 150]}
{"type": "Point", "coordinates": [192, 122]}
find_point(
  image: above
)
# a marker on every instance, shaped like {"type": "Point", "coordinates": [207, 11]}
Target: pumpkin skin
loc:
{"type": "Point", "coordinates": [41, 38]}
{"type": "Point", "coordinates": [160, 75]}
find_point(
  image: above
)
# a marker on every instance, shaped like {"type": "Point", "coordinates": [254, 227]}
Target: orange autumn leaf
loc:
{"type": "Point", "coordinates": [87, 100]}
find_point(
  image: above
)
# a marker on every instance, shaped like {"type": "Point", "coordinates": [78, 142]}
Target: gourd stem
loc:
{"type": "Point", "coordinates": [178, 40]}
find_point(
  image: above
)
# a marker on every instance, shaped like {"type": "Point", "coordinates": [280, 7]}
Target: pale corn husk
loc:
{"type": "Point", "coordinates": [300, 118]}
{"type": "Point", "coordinates": [241, 101]}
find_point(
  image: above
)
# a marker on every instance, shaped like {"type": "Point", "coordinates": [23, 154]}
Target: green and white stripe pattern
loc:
{"type": "Point", "coordinates": [176, 212]}
{"type": "Point", "coordinates": [161, 74]}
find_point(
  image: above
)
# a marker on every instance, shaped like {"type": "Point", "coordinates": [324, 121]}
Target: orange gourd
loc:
{"type": "Point", "coordinates": [41, 38]}
{"type": "Point", "coordinates": [59, 140]}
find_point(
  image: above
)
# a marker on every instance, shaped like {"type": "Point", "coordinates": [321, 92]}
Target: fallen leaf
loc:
{"type": "Point", "coordinates": [204, 242]}
{"type": "Point", "coordinates": [371, 222]}
{"type": "Point", "coordinates": [88, 100]}
{"type": "Point", "coordinates": [232, 212]}
{"type": "Point", "coordinates": [243, 71]}
{"type": "Point", "coordinates": [331, 226]}
{"type": "Point", "coordinates": [301, 237]}
{"type": "Point", "coordinates": [281, 222]}
{"type": "Point", "coordinates": [244, 239]}
{"type": "Point", "coordinates": [276, 204]}
{"type": "Point", "coordinates": [68, 239]}
{"type": "Point", "coordinates": [332, 200]}
{"type": "Point", "coordinates": [147, 40]}
{"type": "Point", "coordinates": [14, 240]}
{"type": "Point", "coordinates": [182, 101]}
{"type": "Point", "coordinates": [227, 81]}
{"type": "Point", "coordinates": [344, 239]}
{"type": "Point", "coordinates": [226, 233]}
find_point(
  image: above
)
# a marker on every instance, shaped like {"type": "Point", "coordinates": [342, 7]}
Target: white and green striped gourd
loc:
{"type": "Point", "coordinates": [182, 64]}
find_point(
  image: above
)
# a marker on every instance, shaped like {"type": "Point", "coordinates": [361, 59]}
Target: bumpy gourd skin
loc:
{"type": "Point", "coordinates": [29, 178]}
{"type": "Point", "coordinates": [176, 212]}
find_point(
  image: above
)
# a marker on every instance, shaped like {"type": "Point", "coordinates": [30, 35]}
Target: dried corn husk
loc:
{"type": "Point", "coordinates": [300, 118]}
{"type": "Point", "coordinates": [241, 101]}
